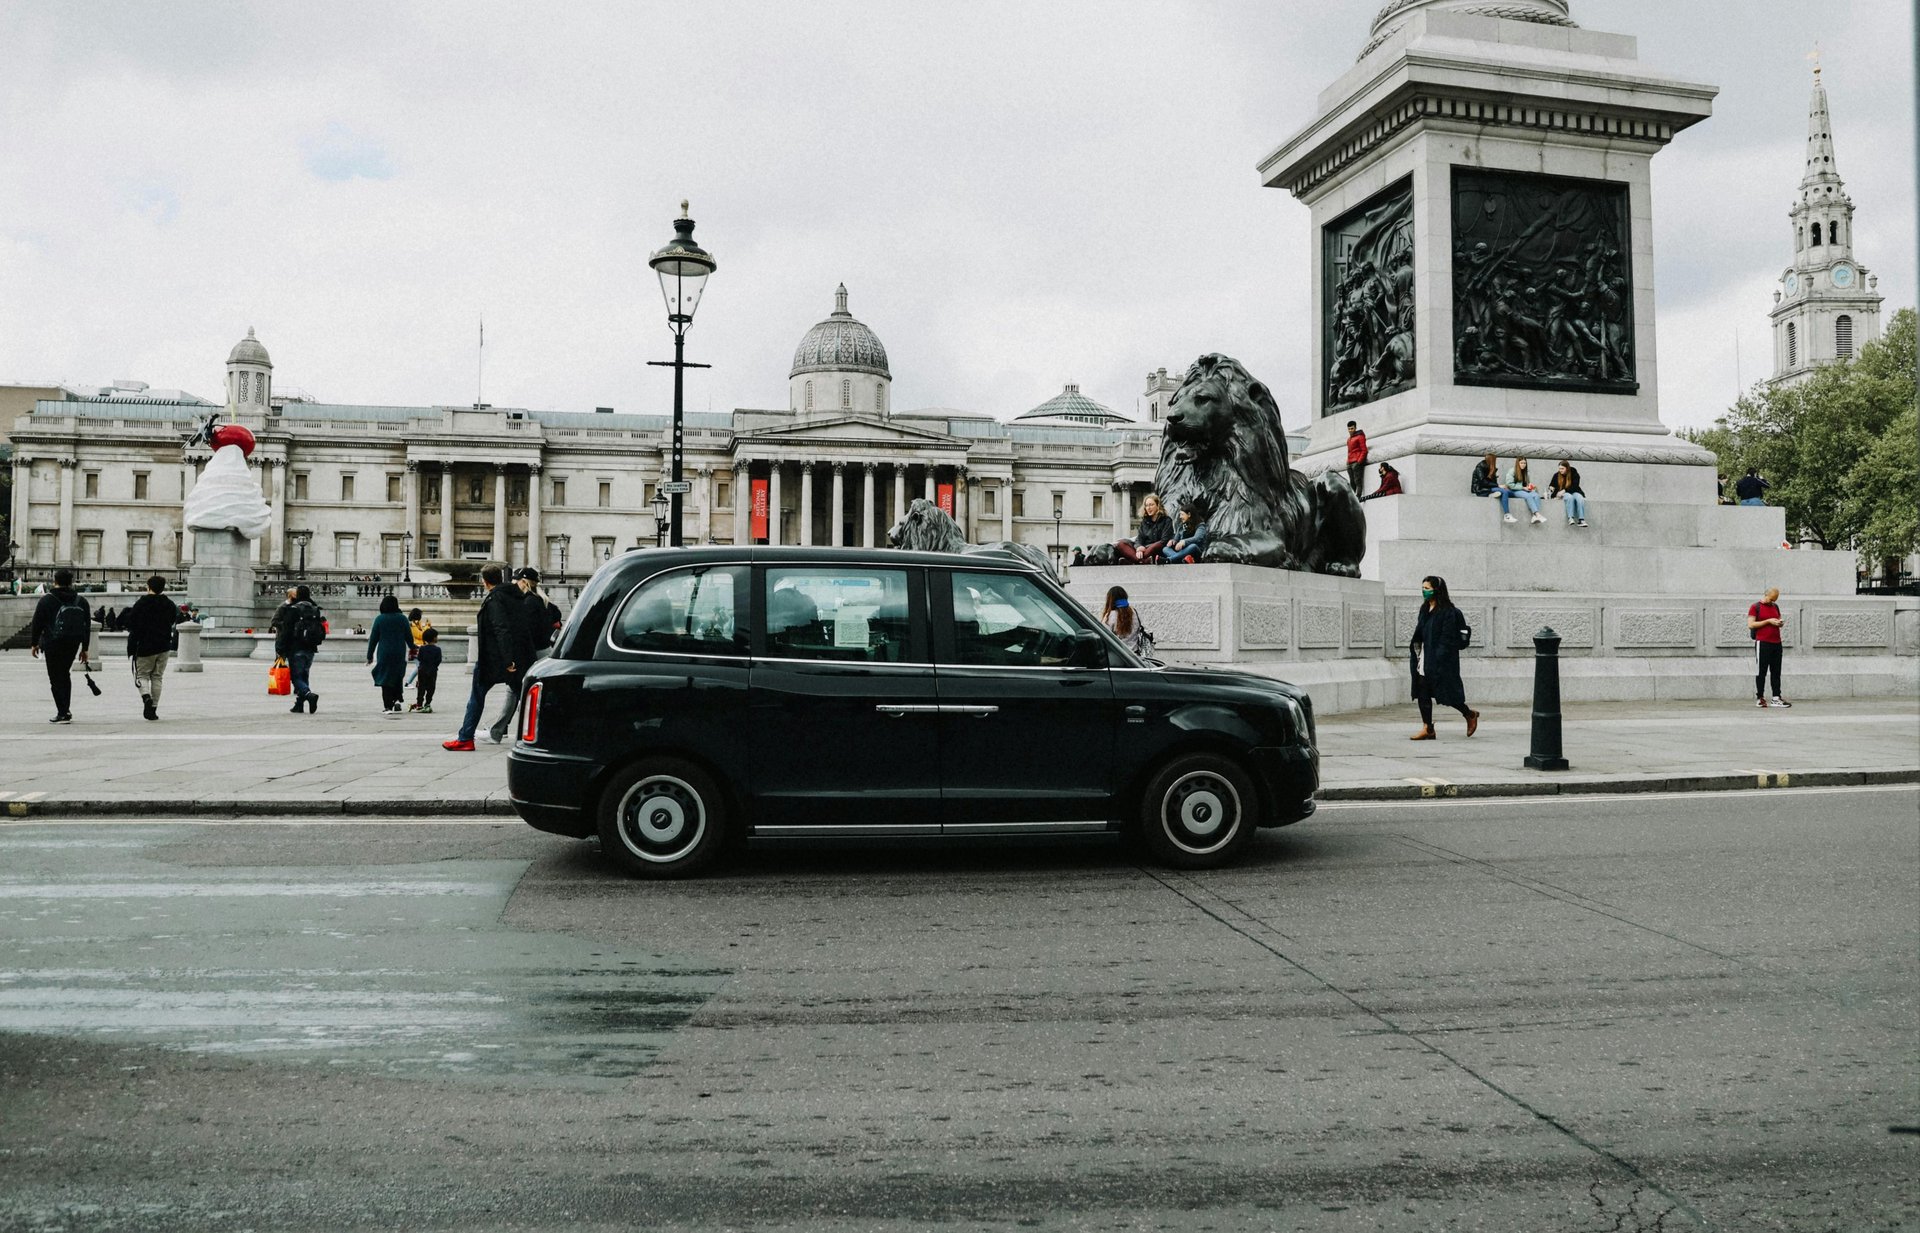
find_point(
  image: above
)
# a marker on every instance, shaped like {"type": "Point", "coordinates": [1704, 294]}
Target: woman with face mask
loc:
{"type": "Point", "coordinates": [1435, 658]}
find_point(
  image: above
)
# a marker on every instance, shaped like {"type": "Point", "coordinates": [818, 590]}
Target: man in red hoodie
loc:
{"type": "Point", "coordinates": [1356, 458]}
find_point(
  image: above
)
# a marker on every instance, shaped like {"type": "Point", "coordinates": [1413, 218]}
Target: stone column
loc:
{"type": "Point", "coordinates": [274, 472]}
{"type": "Point", "coordinates": [806, 504]}
{"type": "Point", "coordinates": [536, 538]}
{"type": "Point", "coordinates": [962, 508]}
{"type": "Point", "coordinates": [184, 554]}
{"type": "Point", "coordinates": [899, 494]}
{"type": "Point", "coordinates": [410, 492]}
{"type": "Point", "coordinates": [930, 471]}
{"type": "Point", "coordinates": [63, 542]}
{"type": "Point", "coordinates": [1122, 510]}
{"type": "Point", "coordinates": [867, 511]}
{"type": "Point", "coordinates": [706, 491]}
{"type": "Point", "coordinates": [19, 521]}
{"type": "Point", "coordinates": [447, 546]}
{"type": "Point", "coordinates": [773, 502]}
{"type": "Point", "coordinates": [499, 511]}
{"type": "Point", "coordinates": [742, 502]}
{"type": "Point", "coordinates": [839, 536]}
{"type": "Point", "coordinates": [1006, 509]}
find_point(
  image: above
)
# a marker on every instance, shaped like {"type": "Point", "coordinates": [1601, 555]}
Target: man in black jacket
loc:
{"type": "Point", "coordinates": [495, 664]}
{"type": "Point", "coordinates": [62, 630]}
{"type": "Point", "coordinates": [534, 622]}
{"type": "Point", "coordinates": [149, 625]}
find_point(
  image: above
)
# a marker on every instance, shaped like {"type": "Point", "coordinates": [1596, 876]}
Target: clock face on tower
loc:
{"type": "Point", "coordinates": [1843, 276]}
{"type": "Point", "coordinates": [1793, 284]}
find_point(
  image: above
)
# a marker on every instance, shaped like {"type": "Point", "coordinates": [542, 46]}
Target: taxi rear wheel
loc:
{"type": "Point", "coordinates": [1197, 812]}
{"type": "Point", "coordinates": [662, 818]}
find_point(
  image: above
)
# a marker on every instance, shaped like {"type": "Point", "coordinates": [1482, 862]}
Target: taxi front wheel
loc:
{"type": "Point", "coordinates": [662, 818]}
{"type": "Point", "coordinates": [1197, 812]}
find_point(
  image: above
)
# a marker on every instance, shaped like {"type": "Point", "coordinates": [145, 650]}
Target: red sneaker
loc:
{"type": "Point", "coordinates": [458, 746]}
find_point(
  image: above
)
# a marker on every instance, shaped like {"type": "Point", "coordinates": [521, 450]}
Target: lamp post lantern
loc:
{"type": "Point", "coordinates": [300, 539]}
{"type": "Point", "coordinates": [683, 267]}
{"type": "Point", "coordinates": [406, 557]}
{"type": "Point", "coordinates": [563, 541]}
{"type": "Point", "coordinates": [660, 506]}
{"type": "Point", "coordinates": [1059, 513]}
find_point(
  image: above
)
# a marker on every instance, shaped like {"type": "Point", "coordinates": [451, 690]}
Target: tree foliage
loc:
{"type": "Point", "coordinates": [1839, 449]}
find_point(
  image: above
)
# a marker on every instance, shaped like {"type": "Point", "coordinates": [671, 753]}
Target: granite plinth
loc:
{"type": "Point", "coordinates": [221, 577]}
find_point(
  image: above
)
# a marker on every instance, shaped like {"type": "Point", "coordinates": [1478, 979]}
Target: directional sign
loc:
{"type": "Point", "coordinates": [673, 487]}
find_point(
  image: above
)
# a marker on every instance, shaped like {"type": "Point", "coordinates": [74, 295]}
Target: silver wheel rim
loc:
{"type": "Point", "coordinates": [1200, 812]}
{"type": "Point", "coordinates": [661, 819]}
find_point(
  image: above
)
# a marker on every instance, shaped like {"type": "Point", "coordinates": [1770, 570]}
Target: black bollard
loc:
{"type": "Point", "coordinates": [1546, 703]}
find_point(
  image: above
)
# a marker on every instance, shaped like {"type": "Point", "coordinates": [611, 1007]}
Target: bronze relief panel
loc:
{"type": "Point", "coordinates": [1367, 265]}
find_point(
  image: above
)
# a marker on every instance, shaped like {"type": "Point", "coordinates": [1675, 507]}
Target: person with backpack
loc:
{"type": "Point", "coordinates": [426, 673]}
{"type": "Point", "coordinates": [1764, 624]}
{"type": "Point", "coordinates": [1434, 656]}
{"type": "Point", "coordinates": [1120, 617]}
{"type": "Point", "coordinates": [299, 629]}
{"type": "Point", "coordinates": [149, 625]}
{"type": "Point", "coordinates": [62, 631]}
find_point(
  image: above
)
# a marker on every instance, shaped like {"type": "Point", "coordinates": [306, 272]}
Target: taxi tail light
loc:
{"type": "Point", "coordinates": [530, 714]}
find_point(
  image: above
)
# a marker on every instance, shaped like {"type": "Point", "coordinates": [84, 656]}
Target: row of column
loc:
{"type": "Point", "coordinates": [870, 514]}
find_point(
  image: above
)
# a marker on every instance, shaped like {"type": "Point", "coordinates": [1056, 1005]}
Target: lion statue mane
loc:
{"type": "Point", "coordinates": [1225, 443]}
{"type": "Point", "coordinates": [928, 528]}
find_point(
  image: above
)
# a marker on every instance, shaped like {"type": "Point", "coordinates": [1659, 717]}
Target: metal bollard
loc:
{"type": "Point", "coordinates": [188, 659]}
{"type": "Point", "coordinates": [1546, 703]}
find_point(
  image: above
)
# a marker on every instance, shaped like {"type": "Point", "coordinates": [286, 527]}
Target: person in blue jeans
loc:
{"type": "Point", "coordinates": [1190, 541]}
{"type": "Point", "coordinates": [1749, 488]}
{"type": "Point", "coordinates": [1519, 485]}
{"type": "Point", "coordinates": [1565, 486]}
{"type": "Point", "coordinates": [293, 641]}
{"type": "Point", "coordinates": [495, 665]}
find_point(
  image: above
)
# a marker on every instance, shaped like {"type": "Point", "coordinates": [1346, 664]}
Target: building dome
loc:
{"type": "Point", "coordinates": [249, 351]}
{"type": "Point", "coordinates": [1070, 404]}
{"type": "Point", "coordinates": [1393, 14]}
{"type": "Point", "coordinates": [840, 344]}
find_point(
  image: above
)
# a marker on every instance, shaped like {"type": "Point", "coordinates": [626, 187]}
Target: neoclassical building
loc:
{"type": "Point", "coordinates": [100, 475]}
{"type": "Point", "coordinates": [1828, 304]}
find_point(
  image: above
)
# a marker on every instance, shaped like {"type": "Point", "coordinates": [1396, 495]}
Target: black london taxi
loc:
{"type": "Point", "coordinates": [698, 696]}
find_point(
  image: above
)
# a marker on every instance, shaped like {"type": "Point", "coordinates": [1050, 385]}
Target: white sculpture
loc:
{"type": "Point", "coordinates": [227, 497]}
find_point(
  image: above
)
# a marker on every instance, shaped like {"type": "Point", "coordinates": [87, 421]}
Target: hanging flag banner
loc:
{"type": "Point", "coordinates": [943, 496]}
{"type": "Point", "coordinates": [759, 509]}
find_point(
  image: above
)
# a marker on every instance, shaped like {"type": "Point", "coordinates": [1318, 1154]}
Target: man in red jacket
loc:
{"type": "Point", "coordinates": [1764, 622]}
{"type": "Point", "coordinates": [1356, 458]}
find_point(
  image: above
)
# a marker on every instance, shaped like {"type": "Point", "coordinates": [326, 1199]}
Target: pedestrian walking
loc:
{"type": "Point", "coordinates": [149, 624]}
{"type": "Point", "coordinates": [499, 616]}
{"type": "Point", "coordinates": [62, 631]}
{"type": "Point", "coordinates": [1434, 654]}
{"type": "Point", "coordinates": [299, 629]}
{"type": "Point", "coordinates": [1764, 624]}
{"type": "Point", "coordinates": [1357, 458]}
{"type": "Point", "coordinates": [388, 641]}
{"type": "Point", "coordinates": [543, 615]}
{"type": "Point", "coordinates": [426, 672]}
{"type": "Point", "coordinates": [1565, 487]}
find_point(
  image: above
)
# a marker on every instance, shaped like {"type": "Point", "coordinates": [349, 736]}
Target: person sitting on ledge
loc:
{"type": "Point", "coordinates": [1749, 487]}
{"type": "Point", "coordinates": [1189, 544]}
{"type": "Point", "coordinates": [1156, 531]}
{"type": "Point", "coordinates": [1565, 486]}
{"type": "Point", "coordinates": [1389, 483]}
{"type": "Point", "coordinates": [1519, 485]}
{"type": "Point", "coordinates": [1486, 480]}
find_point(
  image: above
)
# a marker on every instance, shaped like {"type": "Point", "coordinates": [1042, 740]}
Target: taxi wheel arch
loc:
{"type": "Point", "coordinates": [1197, 810]}
{"type": "Point", "coordinates": [662, 816]}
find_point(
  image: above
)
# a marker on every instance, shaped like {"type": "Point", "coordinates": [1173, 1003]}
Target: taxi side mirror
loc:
{"type": "Point", "coordinates": [1088, 650]}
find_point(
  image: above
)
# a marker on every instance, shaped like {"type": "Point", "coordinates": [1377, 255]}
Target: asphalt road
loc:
{"type": "Point", "coordinates": [1592, 1014]}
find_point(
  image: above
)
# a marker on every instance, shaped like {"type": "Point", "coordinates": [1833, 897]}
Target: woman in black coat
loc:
{"type": "Point", "coordinates": [387, 645]}
{"type": "Point", "coordinates": [1435, 658]}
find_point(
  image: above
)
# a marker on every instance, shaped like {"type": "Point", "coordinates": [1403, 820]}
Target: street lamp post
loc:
{"type": "Point", "coordinates": [683, 267]}
{"type": "Point", "coordinates": [300, 539]}
{"type": "Point", "coordinates": [563, 541]}
{"type": "Point", "coordinates": [406, 557]}
{"type": "Point", "coordinates": [660, 507]}
{"type": "Point", "coordinates": [1059, 513]}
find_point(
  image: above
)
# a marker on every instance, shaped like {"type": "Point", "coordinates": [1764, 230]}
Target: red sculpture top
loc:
{"type": "Point", "coordinates": [232, 434]}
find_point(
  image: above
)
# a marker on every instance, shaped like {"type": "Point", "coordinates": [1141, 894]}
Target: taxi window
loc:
{"type": "Point", "coordinates": [1006, 620]}
{"type": "Point", "coordinates": [687, 612]}
{"type": "Point", "coordinates": [854, 613]}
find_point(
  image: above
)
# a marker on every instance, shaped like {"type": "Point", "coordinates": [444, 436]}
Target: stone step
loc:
{"type": "Point", "coordinates": [1561, 563]}
{"type": "Point", "coordinates": [1615, 524]}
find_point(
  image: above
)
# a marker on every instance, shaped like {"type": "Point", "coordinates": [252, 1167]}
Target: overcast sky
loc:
{"type": "Point", "coordinates": [1017, 195]}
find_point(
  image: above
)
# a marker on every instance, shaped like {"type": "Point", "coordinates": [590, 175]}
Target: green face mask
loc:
{"type": "Point", "coordinates": [1426, 592]}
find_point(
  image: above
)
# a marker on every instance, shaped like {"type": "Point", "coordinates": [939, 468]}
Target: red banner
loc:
{"type": "Point", "coordinates": [759, 509]}
{"type": "Point", "coordinates": [943, 496]}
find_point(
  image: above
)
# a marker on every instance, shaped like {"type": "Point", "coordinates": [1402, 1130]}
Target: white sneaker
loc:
{"type": "Point", "coordinates": [1509, 518]}
{"type": "Point", "coordinates": [1539, 520]}
{"type": "Point", "coordinates": [1581, 523]}
{"type": "Point", "coordinates": [491, 738]}
{"type": "Point", "coordinates": [1779, 701]}
{"type": "Point", "coordinates": [1570, 522]}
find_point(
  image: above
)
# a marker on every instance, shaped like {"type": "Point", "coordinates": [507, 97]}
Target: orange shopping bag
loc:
{"type": "Point", "coordinates": [279, 677]}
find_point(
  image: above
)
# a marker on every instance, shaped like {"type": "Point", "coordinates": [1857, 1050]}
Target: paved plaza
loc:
{"type": "Point", "coordinates": [223, 744]}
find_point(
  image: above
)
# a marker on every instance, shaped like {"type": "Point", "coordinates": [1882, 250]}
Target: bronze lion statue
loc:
{"type": "Point", "coordinates": [1224, 441]}
{"type": "Point", "coordinates": [928, 528]}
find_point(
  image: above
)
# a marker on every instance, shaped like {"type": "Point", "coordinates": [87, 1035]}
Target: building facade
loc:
{"type": "Point", "coordinates": [100, 477]}
{"type": "Point", "coordinates": [1827, 305]}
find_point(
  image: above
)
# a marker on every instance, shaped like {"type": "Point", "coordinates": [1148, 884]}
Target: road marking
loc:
{"type": "Point", "coordinates": [216, 737]}
{"type": "Point", "coordinates": [325, 820]}
{"type": "Point", "coordinates": [1434, 786]}
{"type": "Point", "coordinates": [1584, 798]}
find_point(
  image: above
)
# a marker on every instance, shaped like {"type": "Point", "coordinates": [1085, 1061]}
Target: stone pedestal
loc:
{"type": "Point", "coordinates": [221, 577]}
{"type": "Point", "coordinates": [188, 657]}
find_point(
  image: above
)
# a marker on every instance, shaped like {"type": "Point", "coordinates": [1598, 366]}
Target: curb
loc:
{"type": "Point", "coordinates": [446, 807]}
